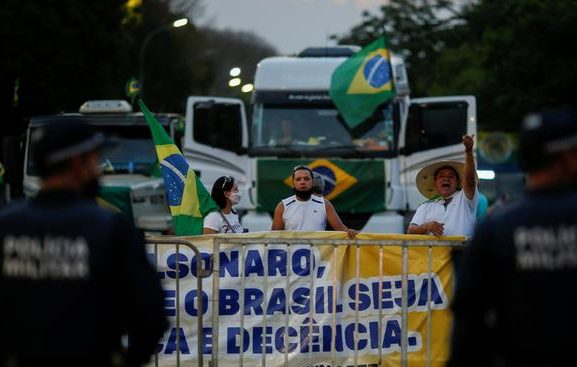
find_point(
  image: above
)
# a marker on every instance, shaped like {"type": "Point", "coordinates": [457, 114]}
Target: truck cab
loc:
{"type": "Point", "coordinates": [130, 182]}
{"type": "Point", "coordinates": [369, 172]}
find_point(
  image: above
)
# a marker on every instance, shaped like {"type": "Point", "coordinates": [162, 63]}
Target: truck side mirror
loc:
{"type": "Point", "coordinates": [218, 125]}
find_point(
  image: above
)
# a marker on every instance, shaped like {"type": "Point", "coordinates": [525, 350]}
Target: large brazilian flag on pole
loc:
{"type": "Point", "coordinates": [363, 82]}
{"type": "Point", "coordinates": [188, 199]}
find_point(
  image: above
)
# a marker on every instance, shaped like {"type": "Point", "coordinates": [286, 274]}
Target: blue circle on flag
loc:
{"type": "Point", "coordinates": [174, 169]}
{"type": "Point", "coordinates": [329, 178]}
{"type": "Point", "coordinates": [377, 71]}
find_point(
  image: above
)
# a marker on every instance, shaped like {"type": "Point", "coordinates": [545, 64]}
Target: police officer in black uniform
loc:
{"type": "Point", "coordinates": [515, 298]}
{"type": "Point", "coordinates": [74, 278]}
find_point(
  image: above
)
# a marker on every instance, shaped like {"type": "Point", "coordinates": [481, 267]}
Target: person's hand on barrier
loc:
{"type": "Point", "coordinates": [435, 228]}
{"type": "Point", "coordinates": [351, 233]}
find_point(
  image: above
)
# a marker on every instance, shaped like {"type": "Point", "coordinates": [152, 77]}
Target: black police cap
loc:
{"type": "Point", "coordinates": [544, 135]}
{"type": "Point", "coordinates": [59, 141]}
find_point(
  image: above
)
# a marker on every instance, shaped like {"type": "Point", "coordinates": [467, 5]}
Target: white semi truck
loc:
{"type": "Point", "coordinates": [369, 172]}
{"type": "Point", "coordinates": [130, 183]}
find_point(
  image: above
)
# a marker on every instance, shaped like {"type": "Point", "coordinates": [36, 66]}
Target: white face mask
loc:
{"type": "Point", "coordinates": [235, 197]}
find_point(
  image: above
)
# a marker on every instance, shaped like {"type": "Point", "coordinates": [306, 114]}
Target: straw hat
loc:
{"type": "Point", "coordinates": [426, 177]}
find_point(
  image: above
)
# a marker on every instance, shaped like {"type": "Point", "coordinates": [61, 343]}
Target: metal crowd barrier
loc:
{"type": "Point", "coordinates": [403, 244]}
{"type": "Point", "coordinates": [243, 242]}
{"type": "Point", "coordinates": [155, 242]}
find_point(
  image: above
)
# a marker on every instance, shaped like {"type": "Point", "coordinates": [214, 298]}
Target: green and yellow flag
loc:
{"type": "Point", "coordinates": [363, 82]}
{"type": "Point", "coordinates": [132, 87]}
{"type": "Point", "coordinates": [188, 199]}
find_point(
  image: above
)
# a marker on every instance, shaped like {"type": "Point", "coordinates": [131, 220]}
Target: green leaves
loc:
{"type": "Point", "coordinates": [68, 51]}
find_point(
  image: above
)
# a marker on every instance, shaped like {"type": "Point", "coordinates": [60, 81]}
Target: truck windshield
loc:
{"type": "Point", "coordinates": [313, 129]}
{"type": "Point", "coordinates": [133, 151]}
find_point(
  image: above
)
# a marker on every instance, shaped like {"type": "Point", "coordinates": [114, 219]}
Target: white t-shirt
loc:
{"type": "Point", "coordinates": [458, 217]}
{"type": "Point", "coordinates": [214, 221]}
{"type": "Point", "coordinates": [310, 215]}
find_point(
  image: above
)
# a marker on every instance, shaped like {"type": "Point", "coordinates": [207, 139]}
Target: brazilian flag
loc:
{"type": "Point", "coordinates": [188, 199]}
{"type": "Point", "coordinates": [363, 82]}
{"type": "Point", "coordinates": [132, 88]}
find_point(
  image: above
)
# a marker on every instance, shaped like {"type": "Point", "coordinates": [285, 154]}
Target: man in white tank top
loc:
{"type": "Point", "coordinates": [304, 211]}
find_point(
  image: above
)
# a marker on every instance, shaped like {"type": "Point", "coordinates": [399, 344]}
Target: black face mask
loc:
{"type": "Point", "coordinates": [303, 195]}
{"type": "Point", "coordinates": [90, 189]}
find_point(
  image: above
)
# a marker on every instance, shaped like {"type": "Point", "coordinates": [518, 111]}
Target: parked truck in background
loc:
{"type": "Point", "coordinates": [130, 182]}
{"type": "Point", "coordinates": [369, 173]}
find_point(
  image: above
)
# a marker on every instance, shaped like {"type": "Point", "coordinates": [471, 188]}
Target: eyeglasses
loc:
{"type": "Point", "coordinates": [227, 179]}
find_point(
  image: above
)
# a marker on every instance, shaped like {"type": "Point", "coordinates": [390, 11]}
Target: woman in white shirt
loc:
{"type": "Point", "coordinates": [225, 194]}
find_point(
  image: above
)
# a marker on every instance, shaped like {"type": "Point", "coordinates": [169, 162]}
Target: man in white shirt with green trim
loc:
{"type": "Point", "coordinates": [451, 188]}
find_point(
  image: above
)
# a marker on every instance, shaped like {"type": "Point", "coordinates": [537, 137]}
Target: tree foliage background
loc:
{"type": "Point", "coordinates": [59, 53]}
{"type": "Point", "coordinates": [515, 56]}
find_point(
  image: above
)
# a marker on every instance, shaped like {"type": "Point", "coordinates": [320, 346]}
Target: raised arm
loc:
{"type": "Point", "coordinates": [469, 182]}
{"type": "Point", "coordinates": [277, 222]}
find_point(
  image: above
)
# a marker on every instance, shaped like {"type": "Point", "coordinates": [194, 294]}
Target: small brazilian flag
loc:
{"type": "Point", "coordinates": [132, 88]}
{"type": "Point", "coordinates": [363, 82]}
{"type": "Point", "coordinates": [188, 199]}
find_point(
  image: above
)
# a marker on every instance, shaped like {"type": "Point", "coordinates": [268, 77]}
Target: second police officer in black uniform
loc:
{"type": "Point", "coordinates": [515, 296]}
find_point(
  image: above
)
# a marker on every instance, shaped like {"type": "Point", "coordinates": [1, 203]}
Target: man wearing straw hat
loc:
{"type": "Point", "coordinates": [451, 188]}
